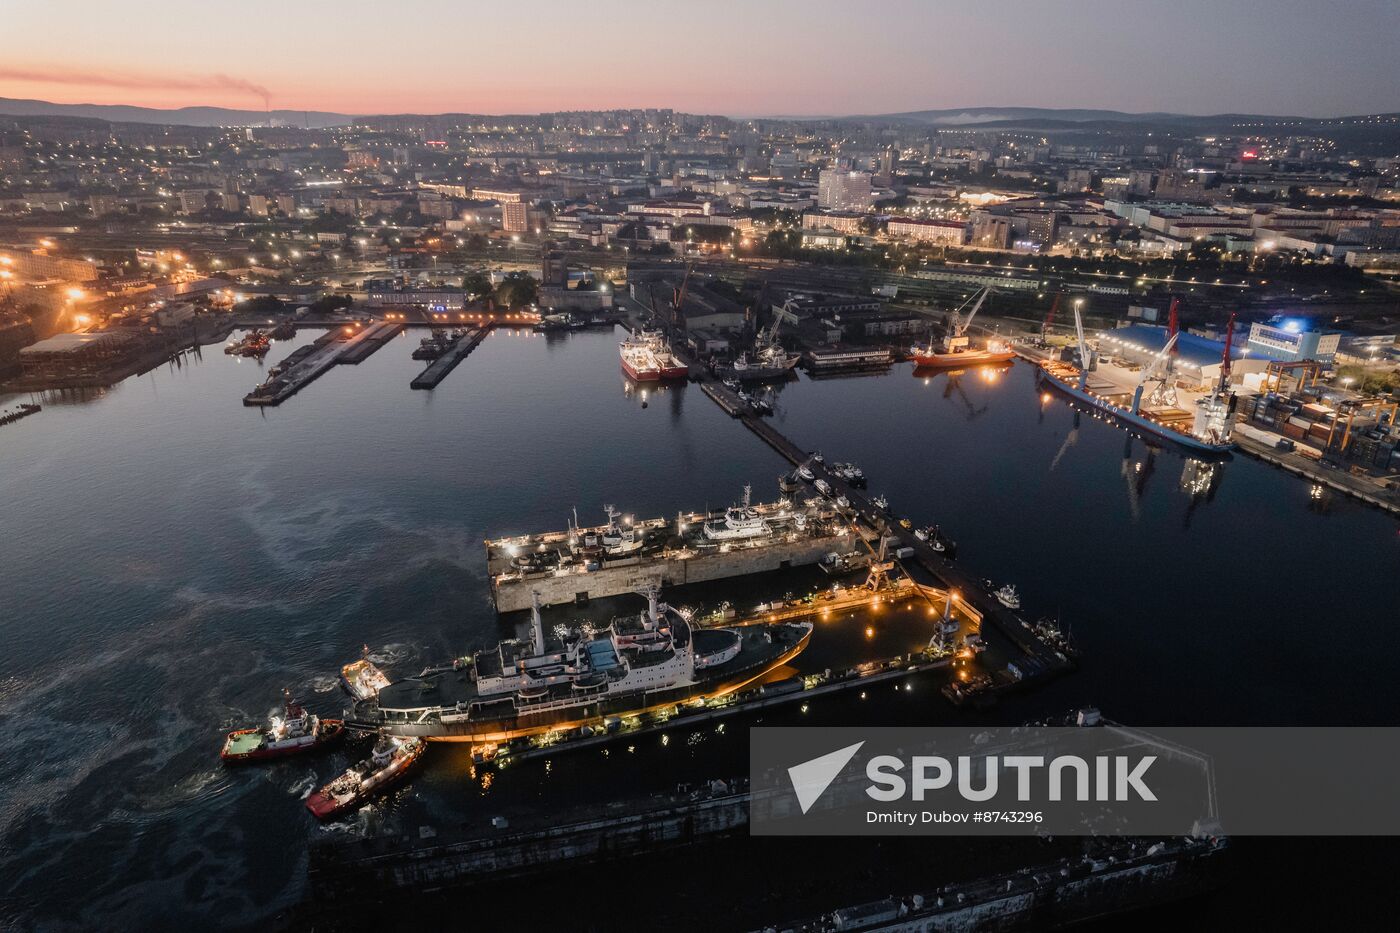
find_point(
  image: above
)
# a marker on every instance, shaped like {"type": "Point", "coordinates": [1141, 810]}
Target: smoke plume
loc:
{"type": "Point", "coordinates": [128, 81]}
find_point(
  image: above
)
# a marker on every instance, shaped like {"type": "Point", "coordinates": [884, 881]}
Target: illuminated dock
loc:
{"type": "Point", "coordinates": [350, 344]}
{"type": "Point", "coordinates": [438, 369]}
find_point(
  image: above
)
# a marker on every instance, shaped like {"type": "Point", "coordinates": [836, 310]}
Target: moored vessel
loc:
{"type": "Point", "coordinates": [647, 358]}
{"type": "Point", "coordinates": [294, 732]}
{"type": "Point", "coordinates": [638, 663]}
{"type": "Point", "coordinates": [956, 348]}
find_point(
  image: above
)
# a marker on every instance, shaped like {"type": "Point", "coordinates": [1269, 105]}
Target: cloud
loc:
{"type": "Point", "coordinates": [131, 81]}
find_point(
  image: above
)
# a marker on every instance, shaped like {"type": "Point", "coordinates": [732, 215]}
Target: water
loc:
{"type": "Point", "coordinates": [171, 560]}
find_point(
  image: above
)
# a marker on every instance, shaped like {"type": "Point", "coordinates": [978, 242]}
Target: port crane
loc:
{"type": "Point", "coordinates": [1086, 360]}
{"type": "Point", "coordinates": [957, 338]}
{"type": "Point", "coordinates": [769, 337]}
{"type": "Point", "coordinates": [1163, 392]}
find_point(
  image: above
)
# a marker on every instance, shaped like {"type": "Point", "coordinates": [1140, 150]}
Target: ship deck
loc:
{"type": "Point", "coordinates": [446, 688]}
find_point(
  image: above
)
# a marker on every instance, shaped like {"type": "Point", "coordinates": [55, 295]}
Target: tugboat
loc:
{"type": "Point", "coordinates": [1008, 597]}
{"type": "Point", "coordinates": [388, 764]}
{"type": "Point", "coordinates": [291, 734]}
{"type": "Point", "coordinates": [881, 503]}
{"type": "Point", "coordinates": [437, 343]}
{"type": "Point", "coordinates": [361, 679]}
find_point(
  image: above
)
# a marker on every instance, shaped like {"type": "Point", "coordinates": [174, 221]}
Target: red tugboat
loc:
{"type": "Point", "coordinates": [389, 763]}
{"type": "Point", "coordinates": [291, 734]}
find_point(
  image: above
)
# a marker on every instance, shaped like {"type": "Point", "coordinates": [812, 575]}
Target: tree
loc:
{"type": "Point", "coordinates": [477, 284]}
{"type": "Point", "coordinates": [518, 290]}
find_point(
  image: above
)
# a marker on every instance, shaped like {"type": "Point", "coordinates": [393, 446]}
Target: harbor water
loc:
{"type": "Point", "coordinates": [172, 560]}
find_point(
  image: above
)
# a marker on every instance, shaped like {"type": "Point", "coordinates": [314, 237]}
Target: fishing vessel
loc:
{"type": "Point", "coordinates": [638, 663]}
{"type": "Point", "coordinates": [956, 348]}
{"type": "Point", "coordinates": [740, 521]}
{"type": "Point", "coordinates": [768, 360]}
{"type": "Point", "coordinates": [389, 763]}
{"type": "Point", "coordinates": [647, 358]}
{"type": "Point", "coordinates": [254, 344]}
{"type": "Point", "coordinates": [294, 732]}
{"type": "Point", "coordinates": [1008, 597]}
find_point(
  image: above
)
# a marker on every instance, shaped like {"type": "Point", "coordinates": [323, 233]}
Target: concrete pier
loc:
{"type": "Point", "coordinates": [346, 344]}
{"type": "Point", "coordinates": [438, 369]}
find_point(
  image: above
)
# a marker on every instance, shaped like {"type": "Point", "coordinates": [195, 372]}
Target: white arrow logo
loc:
{"type": "Point", "coordinates": [811, 778]}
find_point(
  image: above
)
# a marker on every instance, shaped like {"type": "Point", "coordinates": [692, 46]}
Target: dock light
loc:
{"type": "Point", "coordinates": [75, 293]}
{"type": "Point", "coordinates": [870, 631]}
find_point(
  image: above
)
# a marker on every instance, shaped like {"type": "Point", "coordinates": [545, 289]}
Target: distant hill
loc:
{"type": "Point", "coordinates": [968, 116]}
{"type": "Point", "coordinates": [185, 116]}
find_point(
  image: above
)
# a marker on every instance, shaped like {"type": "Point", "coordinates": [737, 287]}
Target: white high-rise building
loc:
{"type": "Point", "coordinates": [839, 190]}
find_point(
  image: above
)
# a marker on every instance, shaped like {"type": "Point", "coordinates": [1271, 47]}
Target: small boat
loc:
{"type": "Point", "coordinates": [906, 524]}
{"type": "Point", "coordinates": [881, 503]}
{"type": "Point", "coordinates": [362, 679]}
{"type": "Point", "coordinates": [817, 457]}
{"type": "Point", "coordinates": [293, 733]}
{"type": "Point", "coordinates": [930, 536]}
{"type": "Point", "coordinates": [823, 487]}
{"type": "Point", "coordinates": [389, 763]}
{"type": "Point", "coordinates": [806, 474]}
{"type": "Point", "coordinates": [1008, 597]}
{"type": "Point", "coordinates": [843, 502]}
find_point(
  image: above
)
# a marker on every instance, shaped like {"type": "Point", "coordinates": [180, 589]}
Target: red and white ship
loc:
{"type": "Point", "coordinates": [646, 358]}
{"type": "Point", "coordinates": [291, 734]}
{"type": "Point", "coordinates": [957, 349]}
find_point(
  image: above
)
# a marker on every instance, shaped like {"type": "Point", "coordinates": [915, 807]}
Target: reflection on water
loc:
{"type": "Point", "coordinates": [173, 559]}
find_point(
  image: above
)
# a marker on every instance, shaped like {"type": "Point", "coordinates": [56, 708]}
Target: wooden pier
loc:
{"type": "Point", "coordinates": [438, 369]}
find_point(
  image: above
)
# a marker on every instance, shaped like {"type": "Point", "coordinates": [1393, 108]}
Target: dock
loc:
{"type": "Point", "coordinates": [11, 415]}
{"type": "Point", "coordinates": [438, 369]}
{"type": "Point", "coordinates": [1255, 443]}
{"type": "Point", "coordinates": [1036, 657]}
{"type": "Point", "coordinates": [349, 344]}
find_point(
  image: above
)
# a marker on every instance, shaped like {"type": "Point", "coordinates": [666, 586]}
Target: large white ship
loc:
{"type": "Point", "coordinates": [642, 662]}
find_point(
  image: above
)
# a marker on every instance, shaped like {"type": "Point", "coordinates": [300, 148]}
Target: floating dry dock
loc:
{"type": "Point", "coordinates": [623, 556]}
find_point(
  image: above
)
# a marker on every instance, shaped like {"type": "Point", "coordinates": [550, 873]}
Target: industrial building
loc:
{"type": "Point", "coordinates": [1196, 360]}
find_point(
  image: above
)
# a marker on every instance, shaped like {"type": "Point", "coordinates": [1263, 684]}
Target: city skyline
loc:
{"type": "Point", "coordinates": [738, 61]}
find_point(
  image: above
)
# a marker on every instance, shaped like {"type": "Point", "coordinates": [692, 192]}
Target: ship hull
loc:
{"type": "Point", "coordinates": [654, 375]}
{"type": "Point", "coordinates": [1127, 419]}
{"type": "Point", "coordinates": [332, 733]}
{"type": "Point", "coordinates": [955, 360]}
{"type": "Point", "coordinates": [325, 807]}
{"type": "Point", "coordinates": [527, 724]}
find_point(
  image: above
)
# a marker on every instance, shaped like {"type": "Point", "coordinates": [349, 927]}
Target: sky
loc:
{"type": "Point", "coordinates": [754, 58]}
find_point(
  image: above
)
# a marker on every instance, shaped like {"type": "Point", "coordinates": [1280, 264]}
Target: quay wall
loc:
{"type": "Point", "coordinates": [612, 580]}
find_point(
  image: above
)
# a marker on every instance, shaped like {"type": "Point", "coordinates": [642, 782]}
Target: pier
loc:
{"type": "Point", "coordinates": [11, 415]}
{"type": "Point", "coordinates": [350, 344]}
{"type": "Point", "coordinates": [438, 369]}
{"type": "Point", "coordinates": [1036, 658]}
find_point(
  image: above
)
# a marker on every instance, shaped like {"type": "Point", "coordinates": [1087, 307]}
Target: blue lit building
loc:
{"type": "Point", "coordinates": [1292, 340]}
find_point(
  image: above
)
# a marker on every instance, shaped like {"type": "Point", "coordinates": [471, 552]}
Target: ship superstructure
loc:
{"type": "Point", "coordinates": [646, 661]}
{"type": "Point", "coordinates": [584, 563]}
{"type": "Point", "coordinates": [647, 358]}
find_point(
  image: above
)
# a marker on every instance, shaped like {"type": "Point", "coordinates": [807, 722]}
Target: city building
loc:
{"type": "Point", "coordinates": [840, 190]}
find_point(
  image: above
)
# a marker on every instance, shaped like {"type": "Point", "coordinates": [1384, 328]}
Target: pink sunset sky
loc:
{"type": "Point", "coordinates": [762, 57]}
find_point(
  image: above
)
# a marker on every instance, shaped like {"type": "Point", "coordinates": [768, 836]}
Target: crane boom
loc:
{"type": "Point", "coordinates": [1083, 348]}
{"type": "Point", "coordinates": [1149, 372]}
{"type": "Point", "coordinates": [960, 326]}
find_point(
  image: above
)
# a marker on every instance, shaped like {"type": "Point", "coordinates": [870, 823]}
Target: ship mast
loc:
{"type": "Point", "coordinates": [536, 624]}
